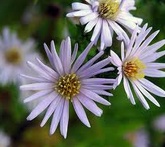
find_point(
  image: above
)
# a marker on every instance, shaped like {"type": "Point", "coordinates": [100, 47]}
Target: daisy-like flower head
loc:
{"type": "Point", "coordinates": [137, 63]}
{"type": "Point", "coordinates": [68, 80]}
{"type": "Point", "coordinates": [106, 17]}
{"type": "Point", "coordinates": [13, 56]}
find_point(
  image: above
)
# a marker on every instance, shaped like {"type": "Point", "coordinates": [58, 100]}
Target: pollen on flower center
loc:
{"type": "Point", "coordinates": [108, 8]}
{"type": "Point", "coordinates": [13, 56]}
{"type": "Point", "coordinates": [68, 86]}
{"type": "Point", "coordinates": [134, 68]}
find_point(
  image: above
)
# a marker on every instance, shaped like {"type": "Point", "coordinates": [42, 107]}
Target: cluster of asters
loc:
{"type": "Point", "coordinates": [69, 79]}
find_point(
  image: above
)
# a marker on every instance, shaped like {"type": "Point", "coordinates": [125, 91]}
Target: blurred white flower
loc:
{"type": "Point", "coordinates": [159, 123]}
{"type": "Point", "coordinates": [13, 56]}
{"type": "Point", "coordinates": [106, 17]}
{"type": "Point", "coordinates": [68, 80]}
{"type": "Point", "coordinates": [4, 139]}
{"type": "Point", "coordinates": [137, 63]}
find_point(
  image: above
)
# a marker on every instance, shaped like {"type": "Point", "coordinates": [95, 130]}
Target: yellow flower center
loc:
{"type": "Point", "coordinates": [134, 69]}
{"type": "Point", "coordinates": [108, 9]}
{"type": "Point", "coordinates": [68, 86]}
{"type": "Point", "coordinates": [13, 56]}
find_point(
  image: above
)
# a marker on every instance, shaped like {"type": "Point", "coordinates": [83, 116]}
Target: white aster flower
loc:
{"type": "Point", "coordinates": [13, 56]}
{"type": "Point", "coordinates": [106, 17]}
{"type": "Point", "coordinates": [68, 80]}
{"type": "Point", "coordinates": [137, 63]}
{"type": "Point", "coordinates": [4, 140]}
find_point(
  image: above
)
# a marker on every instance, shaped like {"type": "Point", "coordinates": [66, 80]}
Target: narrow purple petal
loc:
{"type": "Point", "coordinates": [102, 92]}
{"type": "Point", "coordinates": [56, 60]}
{"type": "Point", "coordinates": [56, 117]}
{"type": "Point", "coordinates": [152, 87]}
{"type": "Point", "coordinates": [41, 106]}
{"type": "Point", "coordinates": [80, 112]}
{"type": "Point", "coordinates": [90, 105]}
{"type": "Point", "coordinates": [65, 119]}
{"type": "Point", "coordinates": [49, 54]}
{"type": "Point", "coordinates": [74, 54]}
{"type": "Point", "coordinates": [88, 75]}
{"type": "Point", "coordinates": [48, 70]}
{"type": "Point", "coordinates": [51, 109]}
{"type": "Point", "coordinates": [151, 72]}
{"type": "Point", "coordinates": [94, 96]}
{"type": "Point", "coordinates": [91, 87]}
{"type": "Point", "coordinates": [37, 95]}
{"type": "Point", "coordinates": [81, 58]}
{"type": "Point", "coordinates": [90, 62]}
{"type": "Point", "coordinates": [67, 56]}
{"type": "Point", "coordinates": [37, 86]}
{"type": "Point", "coordinates": [34, 79]}
{"type": "Point", "coordinates": [128, 90]}
{"type": "Point", "coordinates": [98, 81]}
{"type": "Point", "coordinates": [95, 67]}
{"type": "Point", "coordinates": [140, 96]}
{"type": "Point", "coordinates": [40, 71]}
{"type": "Point", "coordinates": [146, 93]}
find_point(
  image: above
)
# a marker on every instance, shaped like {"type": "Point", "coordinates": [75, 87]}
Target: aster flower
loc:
{"type": "Point", "coordinates": [106, 17]}
{"type": "Point", "coordinates": [68, 80]}
{"type": "Point", "coordinates": [13, 56]}
{"type": "Point", "coordinates": [138, 63]}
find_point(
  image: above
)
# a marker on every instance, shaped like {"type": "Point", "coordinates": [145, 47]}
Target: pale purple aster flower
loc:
{"type": "Point", "coordinates": [14, 53]}
{"type": "Point", "coordinates": [68, 79]}
{"type": "Point", "coordinates": [137, 63]}
{"type": "Point", "coordinates": [105, 17]}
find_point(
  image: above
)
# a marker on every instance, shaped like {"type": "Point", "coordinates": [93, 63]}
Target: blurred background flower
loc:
{"type": "Point", "coordinates": [13, 56]}
{"type": "Point", "coordinates": [45, 20]}
{"type": "Point", "coordinates": [4, 140]}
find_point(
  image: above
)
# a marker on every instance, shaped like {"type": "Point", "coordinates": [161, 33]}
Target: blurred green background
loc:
{"type": "Point", "coordinates": [45, 20]}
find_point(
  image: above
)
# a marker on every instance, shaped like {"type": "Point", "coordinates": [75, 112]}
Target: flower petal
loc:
{"type": "Point", "coordinates": [152, 87]}
{"type": "Point", "coordinates": [79, 6]}
{"type": "Point", "coordinates": [81, 58]}
{"type": "Point", "coordinates": [90, 62]}
{"type": "Point", "coordinates": [89, 17]}
{"type": "Point", "coordinates": [56, 117]}
{"type": "Point", "coordinates": [94, 96]}
{"type": "Point", "coordinates": [64, 119]}
{"type": "Point", "coordinates": [141, 97]}
{"type": "Point", "coordinates": [146, 93]}
{"type": "Point", "coordinates": [90, 105]}
{"type": "Point", "coordinates": [41, 106]}
{"type": "Point", "coordinates": [90, 25]}
{"type": "Point", "coordinates": [115, 59]}
{"type": "Point", "coordinates": [56, 60]}
{"type": "Point", "coordinates": [80, 112]}
{"type": "Point", "coordinates": [51, 109]}
{"type": "Point", "coordinates": [154, 73]}
{"type": "Point", "coordinates": [37, 95]}
{"type": "Point", "coordinates": [37, 86]}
